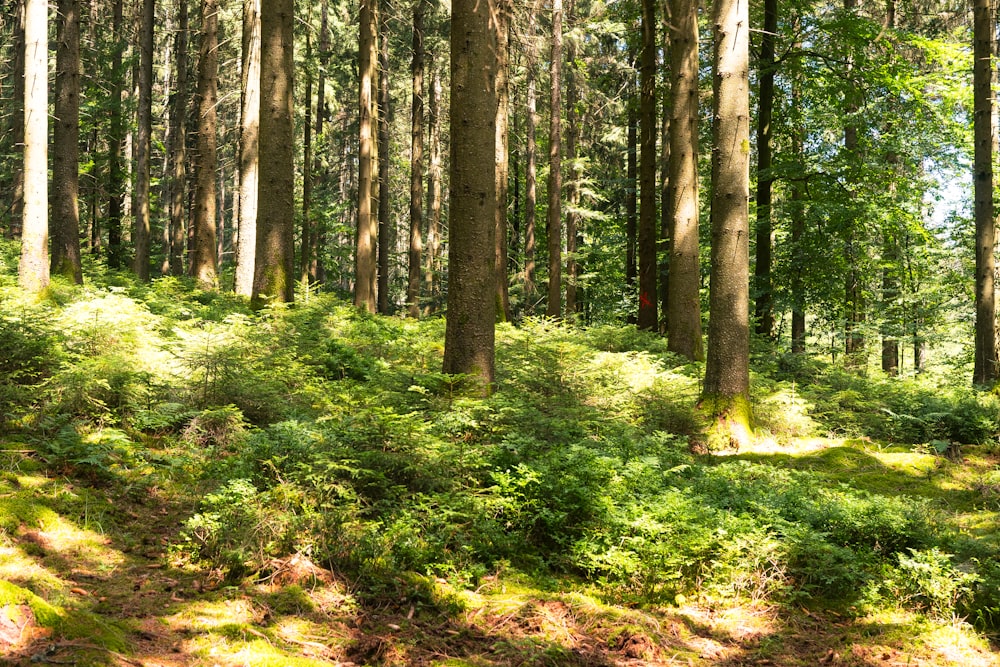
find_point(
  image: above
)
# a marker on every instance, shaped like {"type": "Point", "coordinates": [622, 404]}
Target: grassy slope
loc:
{"type": "Point", "coordinates": [96, 554]}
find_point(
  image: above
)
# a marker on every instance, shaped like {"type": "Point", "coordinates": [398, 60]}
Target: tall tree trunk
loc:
{"type": "Point", "coordinates": [317, 240]}
{"type": "Point", "coordinates": [985, 368]}
{"type": "Point", "coordinates": [431, 280]}
{"type": "Point", "coordinates": [416, 161]}
{"type": "Point", "coordinates": [663, 247]}
{"type": "Point", "coordinates": [554, 216]}
{"type": "Point", "coordinates": [384, 231]}
{"type": "Point", "coordinates": [727, 376]}
{"type": "Point", "coordinates": [203, 252]}
{"type": "Point", "coordinates": [246, 244]}
{"type": "Point", "coordinates": [17, 123]}
{"type": "Point", "coordinates": [308, 230]}
{"type": "Point", "coordinates": [647, 317]}
{"type": "Point", "coordinates": [366, 260]}
{"type": "Point", "coordinates": [144, 142]}
{"type": "Point", "coordinates": [854, 308]}
{"type": "Point", "coordinates": [65, 223]}
{"type": "Point", "coordinates": [797, 215]}
{"type": "Point", "coordinates": [504, 16]}
{"type": "Point", "coordinates": [116, 143]}
{"type": "Point", "coordinates": [764, 300]}
{"type": "Point", "coordinates": [684, 316]}
{"type": "Point", "coordinates": [33, 269]}
{"type": "Point", "coordinates": [631, 182]}
{"type": "Point", "coordinates": [573, 186]}
{"type": "Point", "coordinates": [274, 272]}
{"type": "Point", "coordinates": [178, 146]}
{"type": "Point", "coordinates": [531, 162]}
{"type": "Point", "coordinates": [469, 332]}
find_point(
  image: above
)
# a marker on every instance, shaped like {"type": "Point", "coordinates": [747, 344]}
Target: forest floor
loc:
{"type": "Point", "coordinates": [108, 589]}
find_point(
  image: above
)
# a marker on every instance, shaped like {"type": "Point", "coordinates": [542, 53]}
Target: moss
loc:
{"type": "Point", "coordinates": [731, 423]}
{"type": "Point", "coordinates": [46, 615]}
{"type": "Point", "coordinates": [23, 509]}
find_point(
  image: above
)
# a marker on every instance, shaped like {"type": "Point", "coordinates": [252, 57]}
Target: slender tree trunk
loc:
{"type": "Point", "coordinates": [684, 335]}
{"type": "Point", "coordinates": [573, 186]}
{"type": "Point", "coordinates": [554, 219]}
{"type": "Point", "coordinates": [504, 16]}
{"type": "Point", "coordinates": [246, 245]}
{"type": "Point", "coordinates": [317, 239]}
{"type": "Point", "coordinates": [764, 300]}
{"type": "Point", "coordinates": [469, 333]}
{"type": "Point", "coordinates": [33, 269]}
{"type": "Point", "coordinates": [116, 144]}
{"type": "Point", "coordinates": [985, 369]}
{"type": "Point", "coordinates": [65, 223]}
{"type": "Point", "coordinates": [416, 161]}
{"type": "Point", "coordinates": [203, 253]}
{"type": "Point", "coordinates": [384, 232]}
{"type": "Point", "coordinates": [17, 123]}
{"type": "Point", "coordinates": [274, 272]}
{"type": "Point", "coordinates": [366, 261]}
{"type": "Point", "coordinates": [144, 142]}
{"type": "Point", "coordinates": [797, 215]}
{"type": "Point", "coordinates": [431, 280]}
{"type": "Point", "coordinates": [727, 376]}
{"type": "Point", "coordinates": [531, 163]}
{"type": "Point", "coordinates": [663, 248]}
{"type": "Point", "coordinates": [631, 184]}
{"type": "Point", "coordinates": [854, 308]}
{"type": "Point", "coordinates": [177, 168]}
{"type": "Point", "coordinates": [308, 230]}
{"type": "Point", "coordinates": [647, 318]}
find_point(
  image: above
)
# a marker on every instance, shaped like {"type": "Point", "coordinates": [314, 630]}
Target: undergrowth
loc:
{"type": "Point", "coordinates": [328, 432]}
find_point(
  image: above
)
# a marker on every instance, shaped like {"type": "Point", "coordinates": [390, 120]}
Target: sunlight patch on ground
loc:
{"type": "Point", "coordinates": [909, 463]}
{"type": "Point", "coordinates": [88, 550]}
{"type": "Point", "coordinates": [207, 615]}
{"type": "Point", "coordinates": [898, 637]}
{"type": "Point", "coordinates": [15, 565]}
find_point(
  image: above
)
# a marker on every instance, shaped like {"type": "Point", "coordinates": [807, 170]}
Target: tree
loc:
{"type": "Point", "coordinates": [854, 308]}
{"type": "Point", "coordinates": [203, 251]}
{"type": "Point", "coordinates": [246, 246]}
{"type": "Point", "coordinates": [177, 162]}
{"type": "Point", "coordinates": [504, 15]}
{"type": "Point", "coordinates": [469, 332]}
{"type": "Point", "coordinates": [116, 143]}
{"type": "Point", "coordinates": [431, 280]}
{"type": "Point", "coordinates": [33, 269]}
{"type": "Point", "coordinates": [274, 278]}
{"type": "Point", "coordinates": [727, 372]}
{"type": "Point", "coordinates": [763, 304]}
{"type": "Point", "coordinates": [985, 369]}
{"type": "Point", "coordinates": [554, 215]}
{"type": "Point", "coordinates": [144, 140]}
{"type": "Point", "coordinates": [416, 160]}
{"type": "Point", "coordinates": [683, 299]}
{"type": "Point", "coordinates": [384, 138]}
{"type": "Point", "coordinates": [646, 233]}
{"type": "Point", "coordinates": [531, 160]}
{"type": "Point", "coordinates": [65, 222]}
{"type": "Point", "coordinates": [365, 258]}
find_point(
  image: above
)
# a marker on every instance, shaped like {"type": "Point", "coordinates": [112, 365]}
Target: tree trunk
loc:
{"type": "Point", "coordinates": [203, 251]}
{"type": "Point", "coordinates": [764, 299]}
{"type": "Point", "coordinates": [684, 335]}
{"type": "Point", "coordinates": [854, 308]}
{"type": "Point", "coordinates": [798, 217]}
{"type": "Point", "coordinates": [116, 144]}
{"type": "Point", "coordinates": [365, 260]}
{"type": "Point", "coordinates": [308, 230]}
{"type": "Point", "coordinates": [554, 219]}
{"type": "Point", "coordinates": [727, 376]}
{"type": "Point", "coordinates": [65, 223]}
{"type": "Point", "coordinates": [274, 272]}
{"type": "Point", "coordinates": [17, 124]}
{"type": "Point", "coordinates": [178, 146]}
{"type": "Point", "coordinates": [144, 142]}
{"type": "Point", "coordinates": [431, 280]}
{"type": "Point", "coordinates": [384, 231]}
{"type": "Point", "coordinates": [985, 369]}
{"type": "Point", "coordinates": [575, 171]}
{"type": "Point", "coordinates": [504, 16]}
{"type": "Point", "coordinates": [631, 182]}
{"type": "Point", "coordinates": [317, 240]}
{"type": "Point", "coordinates": [416, 161]}
{"type": "Point", "coordinates": [33, 269]}
{"type": "Point", "coordinates": [531, 162]}
{"type": "Point", "coordinates": [647, 317]}
{"type": "Point", "coordinates": [469, 332]}
{"type": "Point", "coordinates": [246, 245]}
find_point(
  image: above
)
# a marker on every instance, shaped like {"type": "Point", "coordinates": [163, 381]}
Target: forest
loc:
{"type": "Point", "coordinates": [492, 333]}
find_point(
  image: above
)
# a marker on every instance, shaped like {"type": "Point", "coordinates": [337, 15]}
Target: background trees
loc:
{"type": "Point", "coordinates": [869, 121]}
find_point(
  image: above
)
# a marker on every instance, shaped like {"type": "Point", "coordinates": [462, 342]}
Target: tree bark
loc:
{"type": "Point", "coordinates": [246, 244]}
{"type": "Point", "coordinates": [985, 367]}
{"type": "Point", "coordinates": [727, 376]}
{"type": "Point", "coordinates": [384, 100]}
{"type": "Point", "coordinates": [531, 162]}
{"type": "Point", "coordinates": [308, 230]}
{"type": "Point", "coordinates": [366, 260]}
{"type": "Point", "coordinates": [854, 307]}
{"type": "Point", "coordinates": [504, 16]}
{"type": "Point", "coordinates": [647, 317]}
{"type": "Point", "coordinates": [416, 161]}
{"type": "Point", "coordinates": [203, 251]}
{"type": "Point", "coordinates": [17, 124]}
{"type": "Point", "coordinates": [65, 223]}
{"type": "Point", "coordinates": [573, 218]}
{"type": "Point", "coordinates": [431, 279]}
{"type": "Point", "coordinates": [33, 269]}
{"type": "Point", "coordinates": [144, 142]}
{"type": "Point", "coordinates": [469, 332]}
{"type": "Point", "coordinates": [116, 144]}
{"type": "Point", "coordinates": [178, 146]}
{"type": "Point", "coordinates": [274, 272]}
{"type": "Point", "coordinates": [684, 334]}
{"type": "Point", "coordinates": [554, 216]}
